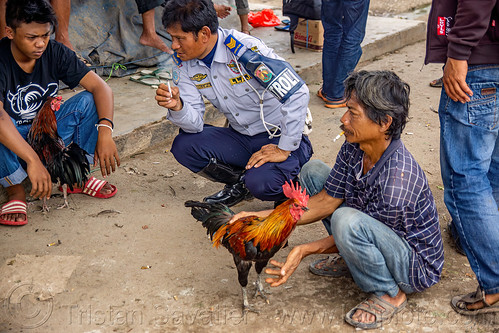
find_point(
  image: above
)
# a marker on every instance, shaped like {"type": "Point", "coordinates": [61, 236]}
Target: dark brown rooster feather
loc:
{"type": "Point", "coordinates": [66, 165]}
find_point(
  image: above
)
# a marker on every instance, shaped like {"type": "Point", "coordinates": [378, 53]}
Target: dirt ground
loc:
{"type": "Point", "coordinates": [140, 263]}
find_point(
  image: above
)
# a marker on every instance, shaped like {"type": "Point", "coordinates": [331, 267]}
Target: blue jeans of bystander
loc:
{"type": "Point", "coordinates": [377, 257]}
{"type": "Point", "coordinates": [344, 25]}
{"type": "Point", "coordinates": [469, 157]}
{"type": "Point", "coordinates": [76, 121]}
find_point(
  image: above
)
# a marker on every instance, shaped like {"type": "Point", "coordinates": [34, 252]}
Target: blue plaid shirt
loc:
{"type": "Point", "coordinates": [395, 192]}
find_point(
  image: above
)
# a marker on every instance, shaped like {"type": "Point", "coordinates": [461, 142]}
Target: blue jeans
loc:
{"type": "Point", "coordinates": [76, 121]}
{"type": "Point", "coordinates": [469, 157]}
{"type": "Point", "coordinates": [376, 256]}
{"type": "Point", "coordinates": [344, 25]}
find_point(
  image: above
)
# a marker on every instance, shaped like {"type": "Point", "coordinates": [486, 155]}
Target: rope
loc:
{"type": "Point", "coordinates": [115, 67]}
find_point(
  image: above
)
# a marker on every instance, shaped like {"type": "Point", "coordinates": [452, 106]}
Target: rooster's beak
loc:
{"type": "Point", "coordinates": [305, 208]}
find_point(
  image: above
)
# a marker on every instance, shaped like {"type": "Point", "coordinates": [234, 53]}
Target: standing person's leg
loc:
{"type": "Point", "coordinates": [469, 137]}
{"type": "Point", "coordinates": [149, 37]}
{"type": "Point", "coordinates": [378, 260]}
{"type": "Point", "coordinates": [62, 10]}
{"type": "Point", "coordinates": [243, 11]}
{"type": "Point", "coordinates": [331, 17]}
{"type": "Point", "coordinates": [354, 29]}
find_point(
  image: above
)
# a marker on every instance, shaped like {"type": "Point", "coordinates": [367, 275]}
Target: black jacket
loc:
{"type": "Point", "coordinates": [463, 30]}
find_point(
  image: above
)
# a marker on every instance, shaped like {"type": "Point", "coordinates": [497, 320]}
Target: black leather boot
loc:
{"type": "Point", "coordinates": [234, 191]}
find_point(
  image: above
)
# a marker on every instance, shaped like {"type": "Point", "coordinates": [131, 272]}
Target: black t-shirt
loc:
{"type": "Point", "coordinates": [23, 94]}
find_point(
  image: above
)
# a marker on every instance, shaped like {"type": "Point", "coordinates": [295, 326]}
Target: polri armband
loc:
{"type": "Point", "coordinates": [273, 74]}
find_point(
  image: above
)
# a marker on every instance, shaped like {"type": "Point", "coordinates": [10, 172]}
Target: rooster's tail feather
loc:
{"type": "Point", "coordinates": [212, 216]}
{"type": "Point", "coordinates": [71, 166]}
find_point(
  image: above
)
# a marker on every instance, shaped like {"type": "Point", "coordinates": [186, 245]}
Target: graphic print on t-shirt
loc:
{"type": "Point", "coordinates": [28, 100]}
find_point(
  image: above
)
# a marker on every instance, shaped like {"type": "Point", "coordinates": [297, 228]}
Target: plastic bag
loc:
{"type": "Point", "coordinates": [264, 18]}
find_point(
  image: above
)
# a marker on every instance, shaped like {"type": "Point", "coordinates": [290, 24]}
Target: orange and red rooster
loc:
{"type": "Point", "coordinates": [67, 165]}
{"type": "Point", "coordinates": [251, 238]}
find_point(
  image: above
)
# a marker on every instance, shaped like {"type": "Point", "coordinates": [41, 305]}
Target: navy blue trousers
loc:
{"type": "Point", "coordinates": [194, 151]}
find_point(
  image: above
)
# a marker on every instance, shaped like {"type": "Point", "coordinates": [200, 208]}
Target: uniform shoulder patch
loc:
{"type": "Point", "coordinates": [233, 44]}
{"type": "Point", "coordinates": [176, 59]}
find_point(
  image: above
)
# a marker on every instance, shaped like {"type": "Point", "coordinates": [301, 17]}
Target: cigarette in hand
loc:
{"type": "Point", "coordinates": [169, 88]}
{"type": "Point", "coordinates": [338, 136]}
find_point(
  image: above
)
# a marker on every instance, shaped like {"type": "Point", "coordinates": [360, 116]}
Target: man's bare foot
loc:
{"type": "Point", "coordinates": [245, 28]}
{"type": "Point", "coordinates": [15, 192]}
{"type": "Point", "coordinates": [153, 40]}
{"type": "Point", "coordinates": [368, 318]}
{"type": "Point", "coordinates": [222, 11]}
{"type": "Point", "coordinates": [106, 189]}
{"type": "Point", "coordinates": [491, 299]}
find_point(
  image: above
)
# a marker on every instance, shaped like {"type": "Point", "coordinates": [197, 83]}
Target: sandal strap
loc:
{"type": "Point", "coordinates": [378, 307]}
{"type": "Point", "coordinates": [93, 186]}
{"type": "Point", "coordinates": [471, 298]}
{"type": "Point", "coordinates": [14, 207]}
{"type": "Point", "coordinates": [335, 259]}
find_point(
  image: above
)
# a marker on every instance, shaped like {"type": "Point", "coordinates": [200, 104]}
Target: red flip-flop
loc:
{"type": "Point", "coordinates": [92, 187]}
{"type": "Point", "coordinates": [14, 207]}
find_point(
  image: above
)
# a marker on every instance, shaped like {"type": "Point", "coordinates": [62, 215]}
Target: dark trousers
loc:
{"type": "Point", "coordinates": [194, 150]}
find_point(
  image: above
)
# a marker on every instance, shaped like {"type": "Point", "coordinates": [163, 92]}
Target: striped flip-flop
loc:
{"type": "Point", "coordinates": [93, 187]}
{"type": "Point", "coordinates": [14, 207]}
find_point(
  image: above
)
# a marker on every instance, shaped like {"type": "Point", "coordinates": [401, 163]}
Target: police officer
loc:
{"type": "Point", "coordinates": [264, 145]}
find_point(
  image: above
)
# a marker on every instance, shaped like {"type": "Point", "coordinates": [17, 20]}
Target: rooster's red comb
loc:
{"type": "Point", "coordinates": [293, 192]}
{"type": "Point", "coordinates": [55, 103]}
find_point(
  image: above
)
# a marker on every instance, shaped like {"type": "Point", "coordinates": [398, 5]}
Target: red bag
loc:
{"type": "Point", "coordinates": [264, 18]}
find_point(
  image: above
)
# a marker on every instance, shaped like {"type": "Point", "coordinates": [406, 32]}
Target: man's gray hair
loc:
{"type": "Point", "coordinates": [382, 94]}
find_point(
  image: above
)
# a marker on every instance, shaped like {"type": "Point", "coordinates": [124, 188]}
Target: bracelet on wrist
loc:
{"type": "Point", "coordinates": [106, 119]}
{"type": "Point", "coordinates": [103, 125]}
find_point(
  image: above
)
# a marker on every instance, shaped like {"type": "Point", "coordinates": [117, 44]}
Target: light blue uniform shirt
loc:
{"type": "Point", "coordinates": [223, 86]}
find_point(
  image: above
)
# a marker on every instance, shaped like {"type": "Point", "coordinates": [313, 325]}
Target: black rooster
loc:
{"type": "Point", "coordinates": [67, 165]}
